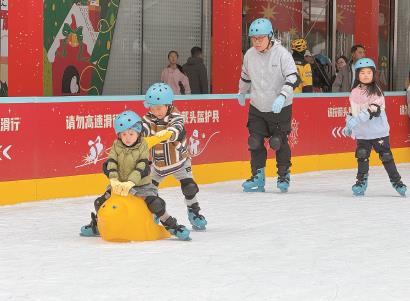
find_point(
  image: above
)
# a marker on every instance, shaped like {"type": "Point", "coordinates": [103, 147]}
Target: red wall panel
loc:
{"type": "Point", "coordinates": [62, 139]}
{"type": "Point", "coordinates": [25, 48]}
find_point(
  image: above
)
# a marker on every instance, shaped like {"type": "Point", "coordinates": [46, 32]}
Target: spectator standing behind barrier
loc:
{"type": "Point", "coordinates": [270, 74]}
{"type": "Point", "coordinates": [196, 71]}
{"type": "Point", "coordinates": [321, 80]}
{"type": "Point", "coordinates": [174, 75]}
{"type": "Point", "coordinates": [299, 47]}
{"type": "Point", "coordinates": [345, 78]}
{"type": "Point", "coordinates": [341, 61]}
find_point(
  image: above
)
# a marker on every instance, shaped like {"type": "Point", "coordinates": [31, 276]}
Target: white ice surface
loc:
{"type": "Point", "coordinates": [316, 242]}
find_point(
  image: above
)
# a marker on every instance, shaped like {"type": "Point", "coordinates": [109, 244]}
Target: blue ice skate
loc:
{"type": "Point", "coordinates": [283, 182]}
{"type": "Point", "coordinates": [400, 187]}
{"type": "Point", "coordinates": [180, 231]}
{"type": "Point", "coordinates": [197, 220]}
{"type": "Point", "coordinates": [360, 187]}
{"type": "Point", "coordinates": [91, 229]}
{"type": "Point", "coordinates": [256, 183]}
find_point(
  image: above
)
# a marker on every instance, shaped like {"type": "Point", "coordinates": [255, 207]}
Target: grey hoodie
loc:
{"type": "Point", "coordinates": [267, 75]}
{"type": "Point", "coordinates": [196, 71]}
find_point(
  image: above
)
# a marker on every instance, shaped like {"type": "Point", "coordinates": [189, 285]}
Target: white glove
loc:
{"type": "Point", "coordinates": [115, 186]}
{"type": "Point", "coordinates": [126, 187]}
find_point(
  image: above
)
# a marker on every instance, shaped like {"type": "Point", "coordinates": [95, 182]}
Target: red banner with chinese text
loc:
{"type": "Point", "coordinates": [45, 140]}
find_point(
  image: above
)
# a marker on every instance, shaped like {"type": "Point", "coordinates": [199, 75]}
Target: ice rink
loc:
{"type": "Point", "coordinates": [316, 242]}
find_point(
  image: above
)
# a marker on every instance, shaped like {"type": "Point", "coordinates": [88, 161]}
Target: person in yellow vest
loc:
{"type": "Point", "coordinates": [299, 47]}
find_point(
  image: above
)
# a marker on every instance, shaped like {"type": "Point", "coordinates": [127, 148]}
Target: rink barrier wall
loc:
{"type": "Point", "coordinates": [53, 147]}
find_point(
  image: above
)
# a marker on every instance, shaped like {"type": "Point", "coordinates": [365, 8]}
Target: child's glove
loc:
{"type": "Point", "coordinates": [351, 122]}
{"type": "Point", "coordinates": [115, 186]}
{"type": "Point", "coordinates": [347, 132]}
{"type": "Point", "coordinates": [278, 104]}
{"type": "Point", "coordinates": [241, 99]}
{"type": "Point", "coordinates": [164, 134]}
{"type": "Point", "coordinates": [126, 187]}
{"type": "Point", "coordinates": [159, 137]}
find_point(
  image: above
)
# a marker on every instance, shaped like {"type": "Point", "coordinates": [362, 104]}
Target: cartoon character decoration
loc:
{"type": "Point", "coordinates": [73, 38]}
{"type": "Point", "coordinates": [71, 59]}
{"type": "Point", "coordinates": [94, 12]}
{"type": "Point", "coordinates": [71, 81]}
{"type": "Point", "coordinates": [95, 153]}
{"type": "Point", "coordinates": [194, 143]}
{"type": "Point", "coordinates": [96, 148]}
{"type": "Point", "coordinates": [196, 140]}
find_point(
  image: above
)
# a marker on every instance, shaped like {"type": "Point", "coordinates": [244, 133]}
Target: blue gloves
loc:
{"type": "Point", "coordinates": [278, 104]}
{"type": "Point", "coordinates": [241, 99]}
{"type": "Point", "coordinates": [351, 122]}
{"type": "Point", "coordinates": [374, 110]}
{"type": "Point", "coordinates": [346, 131]}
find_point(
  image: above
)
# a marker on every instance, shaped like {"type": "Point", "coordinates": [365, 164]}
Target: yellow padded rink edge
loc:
{"type": "Point", "coordinates": [13, 192]}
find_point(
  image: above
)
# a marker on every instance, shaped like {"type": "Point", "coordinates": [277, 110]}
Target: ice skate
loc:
{"type": "Point", "coordinates": [256, 183]}
{"type": "Point", "coordinates": [90, 229]}
{"type": "Point", "coordinates": [361, 185]}
{"type": "Point", "coordinates": [400, 187]}
{"type": "Point", "coordinates": [180, 231]}
{"type": "Point", "coordinates": [197, 220]}
{"type": "Point", "coordinates": [283, 182]}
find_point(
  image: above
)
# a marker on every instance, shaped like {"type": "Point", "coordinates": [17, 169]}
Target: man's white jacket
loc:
{"type": "Point", "coordinates": [266, 75]}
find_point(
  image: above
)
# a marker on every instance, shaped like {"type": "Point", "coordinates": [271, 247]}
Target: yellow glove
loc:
{"type": "Point", "coordinates": [158, 138]}
{"type": "Point", "coordinates": [164, 134]}
{"type": "Point", "coordinates": [125, 187]}
{"type": "Point", "coordinates": [115, 186]}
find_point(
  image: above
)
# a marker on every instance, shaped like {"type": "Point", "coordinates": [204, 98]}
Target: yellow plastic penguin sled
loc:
{"type": "Point", "coordinates": [124, 219]}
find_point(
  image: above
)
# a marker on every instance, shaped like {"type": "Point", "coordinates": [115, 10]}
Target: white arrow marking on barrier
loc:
{"type": "Point", "coordinates": [333, 132]}
{"type": "Point", "coordinates": [338, 132]}
{"type": "Point", "coordinates": [5, 154]}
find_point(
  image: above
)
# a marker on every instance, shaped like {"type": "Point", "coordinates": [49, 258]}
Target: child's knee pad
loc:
{"type": "Point", "coordinates": [386, 156]}
{"type": "Point", "coordinates": [156, 205]}
{"type": "Point", "coordinates": [189, 188]}
{"type": "Point", "coordinates": [362, 154]}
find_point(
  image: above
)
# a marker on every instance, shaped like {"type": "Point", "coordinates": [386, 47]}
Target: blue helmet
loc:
{"type": "Point", "coordinates": [158, 94]}
{"type": "Point", "coordinates": [260, 27]}
{"type": "Point", "coordinates": [364, 62]}
{"type": "Point", "coordinates": [127, 120]}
